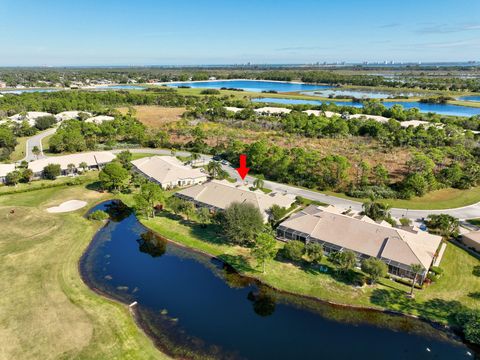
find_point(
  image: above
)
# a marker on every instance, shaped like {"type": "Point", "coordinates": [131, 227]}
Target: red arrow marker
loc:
{"type": "Point", "coordinates": [243, 169]}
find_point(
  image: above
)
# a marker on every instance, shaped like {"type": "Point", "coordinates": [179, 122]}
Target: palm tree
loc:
{"type": "Point", "coordinates": [83, 165]}
{"type": "Point", "coordinates": [194, 157]}
{"type": "Point", "coordinates": [214, 168]}
{"type": "Point", "coordinates": [71, 168]}
{"type": "Point", "coordinates": [376, 210]}
{"type": "Point", "coordinates": [258, 183]}
{"type": "Point", "coordinates": [417, 269]}
{"type": "Point", "coordinates": [36, 151]}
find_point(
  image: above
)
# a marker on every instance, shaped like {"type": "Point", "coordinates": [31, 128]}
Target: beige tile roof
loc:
{"type": "Point", "coordinates": [233, 109]}
{"type": "Point", "coordinates": [6, 168]}
{"type": "Point", "coordinates": [67, 115]}
{"type": "Point", "coordinates": [378, 118]}
{"type": "Point", "coordinates": [91, 158]}
{"type": "Point", "coordinates": [221, 194]}
{"type": "Point", "coordinates": [272, 110]}
{"type": "Point", "coordinates": [167, 169]}
{"type": "Point", "coordinates": [30, 116]}
{"type": "Point", "coordinates": [365, 236]}
{"type": "Point", "coordinates": [474, 236]}
{"type": "Point", "coordinates": [327, 113]}
{"type": "Point", "coordinates": [99, 119]}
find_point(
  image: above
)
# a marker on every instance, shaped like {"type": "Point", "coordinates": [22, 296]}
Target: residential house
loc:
{"type": "Point", "coordinates": [472, 240]}
{"type": "Point", "coordinates": [168, 171]}
{"type": "Point", "coordinates": [30, 116]}
{"type": "Point", "coordinates": [94, 160]}
{"type": "Point", "coordinates": [217, 195]}
{"type": "Point", "coordinates": [4, 170]}
{"type": "Point", "coordinates": [269, 110]}
{"type": "Point", "coordinates": [99, 119]}
{"type": "Point", "coordinates": [337, 231]}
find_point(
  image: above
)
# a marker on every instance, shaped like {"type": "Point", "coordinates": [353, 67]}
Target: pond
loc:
{"type": "Point", "coordinates": [22, 91]}
{"type": "Point", "coordinates": [193, 306]}
{"type": "Point", "coordinates": [474, 98]}
{"type": "Point", "coordinates": [442, 109]}
{"type": "Point", "coordinates": [252, 85]}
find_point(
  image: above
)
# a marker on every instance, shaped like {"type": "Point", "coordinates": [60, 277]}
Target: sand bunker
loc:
{"type": "Point", "coordinates": [67, 206]}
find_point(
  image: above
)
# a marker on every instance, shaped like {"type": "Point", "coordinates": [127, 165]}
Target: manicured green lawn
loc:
{"type": "Point", "coordinates": [46, 143]}
{"type": "Point", "coordinates": [439, 199]}
{"type": "Point", "coordinates": [474, 221]}
{"type": "Point", "coordinates": [46, 311]}
{"type": "Point", "coordinates": [43, 184]}
{"type": "Point", "coordinates": [136, 156]}
{"type": "Point", "coordinates": [458, 284]}
{"type": "Point", "coordinates": [20, 148]}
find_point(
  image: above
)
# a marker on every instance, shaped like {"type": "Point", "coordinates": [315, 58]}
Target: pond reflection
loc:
{"type": "Point", "coordinates": [194, 306]}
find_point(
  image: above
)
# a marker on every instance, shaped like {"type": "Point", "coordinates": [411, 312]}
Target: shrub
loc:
{"type": "Point", "coordinates": [469, 320]}
{"type": "Point", "coordinates": [407, 282]}
{"type": "Point", "coordinates": [242, 222]}
{"type": "Point", "coordinates": [314, 251]}
{"type": "Point", "coordinates": [45, 122]}
{"type": "Point", "coordinates": [13, 178]}
{"type": "Point", "coordinates": [99, 215]}
{"type": "Point", "coordinates": [377, 192]}
{"type": "Point", "coordinates": [375, 268]}
{"type": "Point", "coordinates": [294, 250]}
{"type": "Point", "coordinates": [436, 270]}
{"type": "Point", "coordinates": [210, 92]}
{"type": "Point", "coordinates": [51, 171]}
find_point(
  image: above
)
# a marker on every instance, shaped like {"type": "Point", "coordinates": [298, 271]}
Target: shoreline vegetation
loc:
{"type": "Point", "coordinates": [301, 280]}
{"type": "Point", "coordinates": [333, 293]}
{"type": "Point", "coordinates": [367, 315]}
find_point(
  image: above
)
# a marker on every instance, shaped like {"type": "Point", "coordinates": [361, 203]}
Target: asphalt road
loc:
{"type": "Point", "coordinates": [36, 140]}
{"type": "Point", "coordinates": [466, 212]}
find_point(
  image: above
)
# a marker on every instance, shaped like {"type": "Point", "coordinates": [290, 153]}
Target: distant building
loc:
{"type": "Point", "coordinates": [268, 110]}
{"type": "Point", "coordinates": [398, 248]}
{"type": "Point", "coordinates": [472, 240]}
{"type": "Point", "coordinates": [218, 195]}
{"type": "Point", "coordinates": [4, 170]}
{"type": "Point", "coordinates": [99, 119]}
{"type": "Point", "coordinates": [30, 116]}
{"type": "Point", "coordinates": [3, 84]}
{"type": "Point", "coordinates": [94, 160]}
{"type": "Point", "coordinates": [168, 171]}
{"type": "Point", "coordinates": [68, 115]}
{"type": "Point", "coordinates": [233, 109]}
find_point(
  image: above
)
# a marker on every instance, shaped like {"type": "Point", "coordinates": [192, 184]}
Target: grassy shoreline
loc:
{"type": "Point", "coordinates": [302, 280]}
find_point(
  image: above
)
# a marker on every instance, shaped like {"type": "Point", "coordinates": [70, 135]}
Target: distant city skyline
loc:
{"type": "Point", "coordinates": [147, 32]}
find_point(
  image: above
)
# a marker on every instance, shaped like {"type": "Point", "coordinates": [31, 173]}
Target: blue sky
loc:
{"type": "Point", "coordinates": [145, 32]}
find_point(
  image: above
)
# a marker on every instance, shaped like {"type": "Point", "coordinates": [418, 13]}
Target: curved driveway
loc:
{"type": "Point", "coordinates": [36, 140]}
{"type": "Point", "coordinates": [466, 212]}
